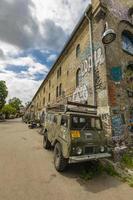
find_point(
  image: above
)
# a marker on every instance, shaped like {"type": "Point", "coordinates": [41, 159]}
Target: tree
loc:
{"type": "Point", "coordinates": [15, 103]}
{"type": "Point", "coordinates": [8, 110]}
{"type": "Point", "coordinates": [3, 93]}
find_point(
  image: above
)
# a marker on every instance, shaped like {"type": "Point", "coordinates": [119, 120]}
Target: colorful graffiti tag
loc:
{"type": "Point", "coordinates": [116, 74]}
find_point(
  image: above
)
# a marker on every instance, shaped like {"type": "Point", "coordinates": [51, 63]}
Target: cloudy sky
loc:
{"type": "Point", "coordinates": [32, 34]}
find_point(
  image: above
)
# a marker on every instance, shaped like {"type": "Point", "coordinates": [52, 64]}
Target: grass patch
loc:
{"type": "Point", "coordinates": [110, 170]}
{"type": "Point", "coordinates": [127, 160]}
{"type": "Point", "coordinates": [94, 169]}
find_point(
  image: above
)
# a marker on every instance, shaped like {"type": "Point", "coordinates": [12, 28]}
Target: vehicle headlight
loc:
{"type": "Point", "coordinates": [79, 150]}
{"type": "Point", "coordinates": [102, 149]}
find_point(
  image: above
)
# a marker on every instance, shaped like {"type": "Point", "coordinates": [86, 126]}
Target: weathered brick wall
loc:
{"type": "Point", "coordinates": [120, 78]}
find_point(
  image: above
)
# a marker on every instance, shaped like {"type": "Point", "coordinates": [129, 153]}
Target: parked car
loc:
{"type": "Point", "coordinates": [76, 135]}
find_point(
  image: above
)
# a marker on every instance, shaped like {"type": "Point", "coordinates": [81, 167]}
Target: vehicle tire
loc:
{"type": "Point", "coordinates": [46, 142]}
{"type": "Point", "coordinates": [59, 161]}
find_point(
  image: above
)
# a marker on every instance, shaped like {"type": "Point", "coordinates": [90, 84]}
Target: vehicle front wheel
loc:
{"type": "Point", "coordinates": [46, 142]}
{"type": "Point", "coordinates": [59, 161]}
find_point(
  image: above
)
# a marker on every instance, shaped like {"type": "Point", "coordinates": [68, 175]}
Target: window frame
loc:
{"type": "Point", "coordinates": [78, 51]}
{"type": "Point", "coordinates": [77, 77]}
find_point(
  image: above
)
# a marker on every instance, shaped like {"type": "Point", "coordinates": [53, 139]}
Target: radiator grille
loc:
{"type": "Point", "coordinates": [89, 150]}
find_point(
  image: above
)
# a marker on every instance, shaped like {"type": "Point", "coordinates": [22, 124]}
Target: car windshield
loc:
{"type": "Point", "coordinates": [85, 122]}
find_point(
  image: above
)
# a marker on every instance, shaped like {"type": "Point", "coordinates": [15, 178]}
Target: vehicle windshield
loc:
{"type": "Point", "coordinates": [85, 122]}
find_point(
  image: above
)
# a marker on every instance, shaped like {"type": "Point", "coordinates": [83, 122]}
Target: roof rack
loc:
{"type": "Point", "coordinates": [70, 106]}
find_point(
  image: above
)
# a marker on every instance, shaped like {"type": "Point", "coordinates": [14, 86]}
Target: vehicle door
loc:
{"type": "Point", "coordinates": [64, 134]}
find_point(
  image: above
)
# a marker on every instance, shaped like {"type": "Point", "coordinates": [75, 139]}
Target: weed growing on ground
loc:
{"type": "Point", "coordinates": [110, 170]}
{"type": "Point", "coordinates": [127, 160]}
{"type": "Point", "coordinates": [94, 169]}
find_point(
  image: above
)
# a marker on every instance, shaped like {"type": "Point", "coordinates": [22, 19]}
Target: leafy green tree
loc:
{"type": "Point", "coordinates": [3, 93]}
{"type": "Point", "coordinates": [15, 103]}
{"type": "Point", "coordinates": [8, 110]}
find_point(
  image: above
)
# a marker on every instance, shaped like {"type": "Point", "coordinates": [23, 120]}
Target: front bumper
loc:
{"type": "Point", "coordinates": [84, 158]}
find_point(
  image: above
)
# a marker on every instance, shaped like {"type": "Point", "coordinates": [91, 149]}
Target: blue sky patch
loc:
{"type": "Point", "coordinates": [16, 69]}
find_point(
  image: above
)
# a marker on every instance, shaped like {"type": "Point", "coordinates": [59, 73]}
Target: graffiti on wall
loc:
{"type": "Point", "coordinates": [82, 93]}
{"type": "Point", "coordinates": [116, 74]}
{"type": "Point", "coordinates": [98, 80]}
{"type": "Point", "coordinates": [106, 120]}
{"type": "Point", "coordinates": [129, 80]}
{"type": "Point", "coordinates": [118, 125]}
{"type": "Point", "coordinates": [84, 90]}
{"type": "Point", "coordinates": [112, 94]}
{"type": "Point", "coordinates": [85, 56]}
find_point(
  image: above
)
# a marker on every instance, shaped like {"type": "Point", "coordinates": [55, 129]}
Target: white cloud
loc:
{"type": "Point", "coordinates": [51, 58]}
{"type": "Point", "coordinates": [33, 67]}
{"type": "Point", "coordinates": [23, 88]}
{"type": "Point", "coordinates": [22, 85]}
{"type": "Point", "coordinates": [33, 24]}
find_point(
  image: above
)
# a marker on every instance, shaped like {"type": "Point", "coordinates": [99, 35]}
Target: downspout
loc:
{"type": "Point", "coordinates": [92, 57]}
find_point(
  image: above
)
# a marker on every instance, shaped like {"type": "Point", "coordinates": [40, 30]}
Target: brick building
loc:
{"type": "Point", "coordinates": [95, 67]}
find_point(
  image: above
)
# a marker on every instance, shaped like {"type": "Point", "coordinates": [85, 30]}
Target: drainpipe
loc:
{"type": "Point", "coordinates": [92, 57]}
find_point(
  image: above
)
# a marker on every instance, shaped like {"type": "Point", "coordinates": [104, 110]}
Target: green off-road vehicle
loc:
{"type": "Point", "coordinates": [75, 133]}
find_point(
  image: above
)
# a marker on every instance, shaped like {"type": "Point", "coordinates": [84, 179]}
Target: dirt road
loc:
{"type": "Point", "coordinates": [27, 172]}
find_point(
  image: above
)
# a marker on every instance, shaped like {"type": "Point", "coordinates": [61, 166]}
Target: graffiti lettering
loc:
{"type": "Point", "coordinates": [98, 81]}
{"type": "Point", "coordinates": [106, 120]}
{"type": "Point", "coordinates": [117, 125]}
{"type": "Point", "coordinates": [82, 92]}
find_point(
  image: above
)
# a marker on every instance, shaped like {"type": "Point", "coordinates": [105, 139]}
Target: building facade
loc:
{"type": "Point", "coordinates": [92, 71]}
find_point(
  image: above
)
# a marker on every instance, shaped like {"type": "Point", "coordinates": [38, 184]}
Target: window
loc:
{"type": "Point", "coordinates": [58, 72]}
{"type": "Point", "coordinates": [49, 97]}
{"type": "Point", "coordinates": [67, 73]}
{"type": "Point", "coordinates": [49, 83]}
{"type": "Point", "coordinates": [127, 42]}
{"type": "Point", "coordinates": [85, 122]}
{"type": "Point", "coordinates": [78, 77]}
{"type": "Point", "coordinates": [60, 89]}
{"type": "Point", "coordinates": [64, 121]}
{"type": "Point", "coordinates": [77, 50]}
{"type": "Point", "coordinates": [44, 89]}
{"type": "Point", "coordinates": [44, 101]}
{"type": "Point", "coordinates": [57, 91]}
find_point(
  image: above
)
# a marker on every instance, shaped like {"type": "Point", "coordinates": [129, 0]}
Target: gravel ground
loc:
{"type": "Point", "coordinates": [27, 171]}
